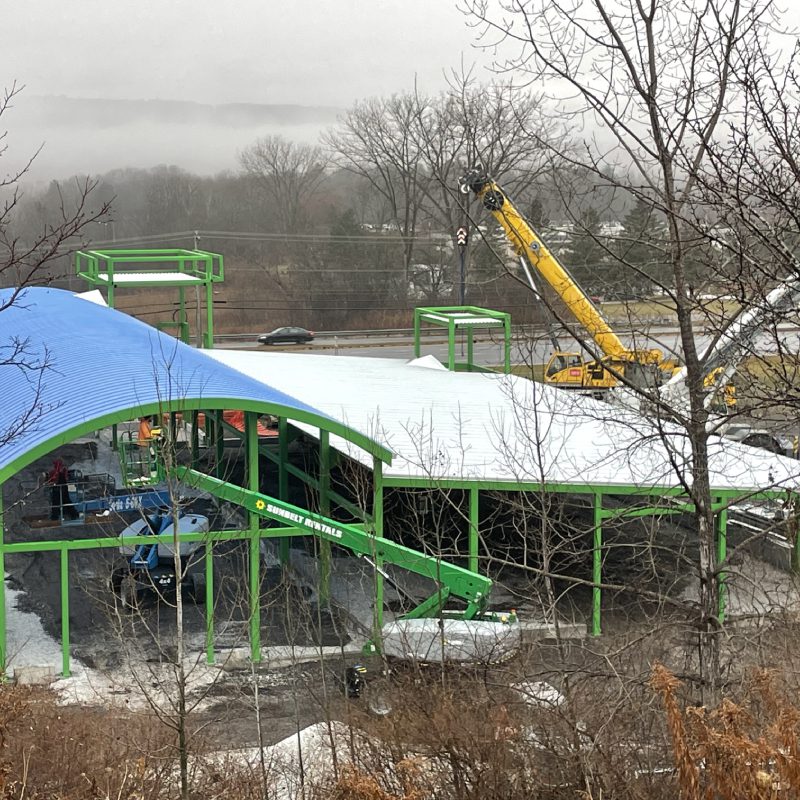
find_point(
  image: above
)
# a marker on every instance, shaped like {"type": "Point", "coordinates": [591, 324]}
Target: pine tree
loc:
{"type": "Point", "coordinates": [642, 259]}
{"type": "Point", "coordinates": [586, 258]}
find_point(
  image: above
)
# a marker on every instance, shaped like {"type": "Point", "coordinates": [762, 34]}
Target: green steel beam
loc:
{"type": "Point", "coordinates": [118, 541]}
{"type": "Point", "coordinates": [64, 556]}
{"type": "Point", "coordinates": [378, 555]}
{"type": "Point", "coordinates": [474, 529]}
{"type": "Point", "coordinates": [298, 473]}
{"type": "Point", "coordinates": [462, 582]}
{"type": "Point", "coordinates": [251, 457]}
{"type": "Point", "coordinates": [283, 481]}
{"type": "Point", "coordinates": [597, 564]}
{"type": "Point", "coordinates": [402, 482]}
{"type": "Point", "coordinates": [209, 565]}
{"type": "Point", "coordinates": [325, 510]}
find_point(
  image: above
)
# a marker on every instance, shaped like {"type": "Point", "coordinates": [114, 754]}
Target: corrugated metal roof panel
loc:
{"type": "Point", "coordinates": [77, 361]}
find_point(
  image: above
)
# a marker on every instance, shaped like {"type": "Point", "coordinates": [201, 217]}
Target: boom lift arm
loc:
{"type": "Point", "coordinates": [528, 245]}
{"type": "Point", "coordinates": [740, 339]}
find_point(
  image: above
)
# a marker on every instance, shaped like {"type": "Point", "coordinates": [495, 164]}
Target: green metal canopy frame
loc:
{"type": "Point", "coordinates": [455, 318]}
{"type": "Point", "coordinates": [176, 268]}
{"type": "Point", "coordinates": [213, 408]}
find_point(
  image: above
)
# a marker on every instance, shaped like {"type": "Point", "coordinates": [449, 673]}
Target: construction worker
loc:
{"type": "Point", "coordinates": [60, 505]}
{"type": "Point", "coordinates": [145, 432]}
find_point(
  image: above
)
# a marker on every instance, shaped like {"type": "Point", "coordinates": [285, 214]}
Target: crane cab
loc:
{"type": "Point", "coordinates": [569, 370]}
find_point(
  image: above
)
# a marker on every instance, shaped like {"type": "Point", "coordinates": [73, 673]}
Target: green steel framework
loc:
{"type": "Point", "coordinates": [454, 318]}
{"type": "Point", "coordinates": [366, 537]}
{"type": "Point", "coordinates": [173, 268]}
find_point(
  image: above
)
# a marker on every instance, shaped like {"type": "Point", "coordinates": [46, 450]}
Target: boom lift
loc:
{"type": "Point", "coordinates": [722, 358]}
{"type": "Point", "coordinates": [569, 370]}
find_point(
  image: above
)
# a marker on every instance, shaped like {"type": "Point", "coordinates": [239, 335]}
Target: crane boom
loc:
{"type": "Point", "coordinates": [529, 245]}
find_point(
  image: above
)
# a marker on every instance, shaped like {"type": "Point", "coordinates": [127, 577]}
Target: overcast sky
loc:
{"type": "Point", "coordinates": [260, 51]}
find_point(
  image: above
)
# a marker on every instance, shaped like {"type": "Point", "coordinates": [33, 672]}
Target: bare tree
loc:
{"type": "Point", "coordinates": [649, 82]}
{"type": "Point", "coordinates": [289, 173]}
{"type": "Point", "coordinates": [26, 259]}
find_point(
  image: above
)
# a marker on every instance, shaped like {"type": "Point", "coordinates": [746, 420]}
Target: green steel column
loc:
{"type": "Point", "coordinates": [470, 347]}
{"type": "Point", "coordinates": [474, 530]}
{"type": "Point", "coordinates": [219, 445]}
{"type": "Point", "coordinates": [597, 563]}
{"type": "Point", "coordinates": [3, 592]}
{"type": "Point", "coordinates": [722, 553]}
{"type": "Point", "coordinates": [325, 508]}
{"type": "Point", "coordinates": [114, 438]}
{"type": "Point", "coordinates": [209, 331]}
{"type": "Point", "coordinates": [377, 512]}
{"type": "Point", "coordinates": [110, 289]}
{"type": "Point", "coordinates": [507, 344]}
{"type": "Point", "coordinates": [195, 439]}
{"type": "Point", "coordinates": [182, 315]}
{"type": "Point", "coordinates": [451, 345]}
{"type": "Point", "coordinates": [416, 334]}
{"type": "Point", "coordinates": [209, 562]}
{"type": "Point", "coordinates": [251, 457]}
{"type": "Point", "coordinates": [64, 612]}
{"type": "Point", "coordinates": [283, 482]}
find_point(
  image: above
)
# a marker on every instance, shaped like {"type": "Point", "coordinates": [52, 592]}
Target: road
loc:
{"type": "Point", "coordinates": [533, 349]}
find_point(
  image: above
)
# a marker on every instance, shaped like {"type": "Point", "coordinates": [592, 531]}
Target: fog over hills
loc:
{"type": "Point", "coordinates": [82, 135]}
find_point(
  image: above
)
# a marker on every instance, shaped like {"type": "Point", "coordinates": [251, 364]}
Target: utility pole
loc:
{"type": "Point", "coordinates": [462, 238]}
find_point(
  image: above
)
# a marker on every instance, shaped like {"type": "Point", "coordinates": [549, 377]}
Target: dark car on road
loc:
{"type": "Point", "coordinates": [287, 335]}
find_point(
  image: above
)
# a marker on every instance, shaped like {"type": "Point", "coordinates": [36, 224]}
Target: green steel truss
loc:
{"type": "Point", "coordinates": [365, 538]}
{"type": "Point", "coordinates": [455, 318]}
{"type": "Point", "coordinates": [165, 268]}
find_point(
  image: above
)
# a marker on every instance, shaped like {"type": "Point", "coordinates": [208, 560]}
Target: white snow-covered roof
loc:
{"type": "Point", "coordinates": [460, 318]}
{"type": "Point", "coordinates": [442, 425]}
{"type": "Point", "coordinates": [149, 277]}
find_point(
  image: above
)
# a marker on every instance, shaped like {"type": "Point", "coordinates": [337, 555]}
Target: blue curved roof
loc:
{"type": "Point", "coordinates": [65, 361]}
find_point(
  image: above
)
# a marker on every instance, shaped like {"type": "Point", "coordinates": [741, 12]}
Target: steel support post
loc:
{"type": "Point", "coordinates": [209, 564]}
{"type": "Point", "coordinates": [114, 438]}
{"type": "Point", "coordinates": [183, 316]}
{"type": "Point", "coordinates": [597, 563]}
{"type": "Point", "coordinates": [416, 334]}
{"type": "Point", "coordinates": [325, 509]}
{"type": "Point", "coordinates": [722, 554]}
{"type": "Point", "coordinates": [377, 513]}
{"type": "Point", "coordinates": [209, 332]}
{"type": "Point", "coordinates": [219, 446]}
{"type": "Point", "coordinates": [195, 439]}
{"type": "Point", "coordinates": [474, 530]}
{"type": "Point", "coordinates": [507, 344]}
{"type": "Point", "coordinates": [251, 457]}
{"type": "Point", "coordinates": [64, 555]}
{"type": "Point", "coordinates": [470, 348]}
{"type": "Point", "coordinates": [3, 592]}
{"type": "Point", "coordinates": [283, 482]}
{"type": "Point", "coordinates": [451, 345]}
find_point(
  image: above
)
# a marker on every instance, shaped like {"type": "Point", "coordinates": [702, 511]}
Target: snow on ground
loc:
{"type": "Point", "coordinates": [27, 643]}
{"type": "Point", "coordinates": [308, 753]}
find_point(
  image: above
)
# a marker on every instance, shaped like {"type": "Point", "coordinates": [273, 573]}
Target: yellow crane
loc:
{"type": "Point", "coordinates": [570, 370]}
